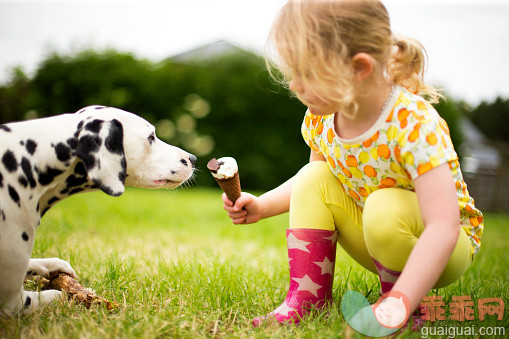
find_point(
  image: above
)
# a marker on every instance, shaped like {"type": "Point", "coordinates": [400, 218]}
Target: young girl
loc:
{"type": "Point", "coordinates": [383, 179]}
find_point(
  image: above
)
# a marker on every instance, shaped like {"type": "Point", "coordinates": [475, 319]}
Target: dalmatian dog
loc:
{"type": "Point", "coordinates": [46, 160]}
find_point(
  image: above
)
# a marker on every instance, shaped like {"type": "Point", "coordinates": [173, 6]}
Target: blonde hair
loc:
{"type": "Point", "coordinates": [316, 40]}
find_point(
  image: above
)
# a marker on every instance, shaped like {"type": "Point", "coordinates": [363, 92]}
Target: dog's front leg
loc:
{"type": "Point", "coordinates": [14, 300]}
{"type": "Point", "coordinates": [49, 268]}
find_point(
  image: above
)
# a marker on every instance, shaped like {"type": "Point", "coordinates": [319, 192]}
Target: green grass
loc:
{"type": "Point", "coordinates": [179, 268]}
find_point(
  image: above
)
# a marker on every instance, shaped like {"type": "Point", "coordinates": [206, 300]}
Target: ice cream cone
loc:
{"type": "Point", "coordinates": [231, 186]}
{"type": "Point", "coordinates": [228, 180]}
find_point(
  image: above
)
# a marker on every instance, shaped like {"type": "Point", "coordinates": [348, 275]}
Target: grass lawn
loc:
{"type": "Point", "coordinates": [179, 268]}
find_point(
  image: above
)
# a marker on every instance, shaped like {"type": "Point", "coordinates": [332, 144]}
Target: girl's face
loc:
{"type": "Point", "coordinates": [309, 97]}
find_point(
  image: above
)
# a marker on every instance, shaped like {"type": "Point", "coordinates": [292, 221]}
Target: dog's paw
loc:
{"type": "Point", "coordinates": [50, 268]}
{"type": "Point", "coordinates": [32, 301]}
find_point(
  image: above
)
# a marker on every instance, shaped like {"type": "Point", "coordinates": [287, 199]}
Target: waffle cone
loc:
{"type": "Point", "coordinates": [230, 186]}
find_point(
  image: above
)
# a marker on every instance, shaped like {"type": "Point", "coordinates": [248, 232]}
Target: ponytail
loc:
{"type": "Point", "coordinates": [406, 67]}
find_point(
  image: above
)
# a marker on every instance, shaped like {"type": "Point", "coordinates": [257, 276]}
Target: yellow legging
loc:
{"type": "Point", "coordinates": [386, 230]}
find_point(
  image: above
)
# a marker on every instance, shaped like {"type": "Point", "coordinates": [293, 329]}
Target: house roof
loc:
{"type": "Point", "coordinates": [214, 49]}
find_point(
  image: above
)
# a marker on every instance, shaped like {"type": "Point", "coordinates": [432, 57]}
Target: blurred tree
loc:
{"type": "Point", "coordinates": [251, 119]}
{"type": "Point", "coordinates": [14, 96]}
{"type": "Point", "coordinates": [493, 119]}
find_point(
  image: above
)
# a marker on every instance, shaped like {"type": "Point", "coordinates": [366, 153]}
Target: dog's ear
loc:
{"type": "Point", "coordinates": [101, 148]}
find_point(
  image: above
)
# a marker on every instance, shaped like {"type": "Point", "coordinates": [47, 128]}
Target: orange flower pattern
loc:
{"type": "Point", "coordinates": [409, 139]}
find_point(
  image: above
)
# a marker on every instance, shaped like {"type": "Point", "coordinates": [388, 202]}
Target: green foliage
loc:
{"type": "Point", "coordinates": [14, 96]}
{"type": "Point", "coordinates": [493, 119]}
{"type": "Point", "coordinates": [223, 106]}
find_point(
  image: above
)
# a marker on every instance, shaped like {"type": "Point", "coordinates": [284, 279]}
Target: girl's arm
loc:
{"type": "Point", "coordinates": [439, 207]}
{"type": "Point", "coordinates": [249, 208]}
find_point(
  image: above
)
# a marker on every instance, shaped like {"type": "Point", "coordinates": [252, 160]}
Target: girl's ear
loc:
{"type": "Point", "coordinates": [363, 66]}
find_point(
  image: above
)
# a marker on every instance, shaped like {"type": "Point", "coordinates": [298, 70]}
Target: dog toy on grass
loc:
{"type": "Point", "coordinates": [75, 291]}
{"type": "Point", "coordinates": [226, 173]}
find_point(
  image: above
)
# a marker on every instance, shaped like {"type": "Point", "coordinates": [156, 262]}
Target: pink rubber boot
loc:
{"type": "Point", "coordinates": [387, 277]}
{"type": "Point", "coordinates": [312, 254]}
{"type": "Point", "coordinates": [387, 280]}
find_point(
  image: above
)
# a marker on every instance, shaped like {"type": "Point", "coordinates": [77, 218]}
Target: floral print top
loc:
{"type": "Point", "coordinates": [409, 139]}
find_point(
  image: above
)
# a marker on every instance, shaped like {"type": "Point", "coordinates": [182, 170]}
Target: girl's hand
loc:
{"type": "Point", "coordinates": [247, 209]}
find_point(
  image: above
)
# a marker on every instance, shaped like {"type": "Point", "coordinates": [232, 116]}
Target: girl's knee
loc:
{"type": "Point", "coordinates": [391, 216]}
{"type": "Point", "coordinates": [312, 175]}
{"type": "Point", "coordinates": [388, 207]}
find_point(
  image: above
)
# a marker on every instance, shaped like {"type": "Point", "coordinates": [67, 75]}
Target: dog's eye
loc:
{"type": "Point", "coordinates": [151, 138]}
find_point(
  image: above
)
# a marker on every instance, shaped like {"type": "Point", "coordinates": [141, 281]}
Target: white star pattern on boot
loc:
{"type": "Point", "coordinates": [326, 265]}
{"type": "Point", "coordinates": [306, 284]}
{"type": "Point", "coordinates": [283, 309]}
{"type": "Point", "coordinates": [295, 243]}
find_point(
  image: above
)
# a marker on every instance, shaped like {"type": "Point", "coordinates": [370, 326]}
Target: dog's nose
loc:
{"type": "Point", "coordinates": [192, 159]}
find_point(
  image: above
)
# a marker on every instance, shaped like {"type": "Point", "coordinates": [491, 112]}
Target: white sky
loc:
{"type": "Point", "coordinates": [467, 40]}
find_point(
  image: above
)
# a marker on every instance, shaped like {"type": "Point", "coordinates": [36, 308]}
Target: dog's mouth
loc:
{"type": "Point", "coordinates": [162, 182]}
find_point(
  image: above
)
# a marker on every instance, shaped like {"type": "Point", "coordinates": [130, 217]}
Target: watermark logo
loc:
{"type": "Point", "coordinates": [391, 311]}
{"type": "Point", "coordinates": [383, 318]}
{"type": "Point", "coordinates": [461, 308]}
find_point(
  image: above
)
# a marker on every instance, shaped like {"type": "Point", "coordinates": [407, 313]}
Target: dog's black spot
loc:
{"type": "Point", "coordinates": [2, 214]}
{"type": "Point", "coordinates": [22, 143]}
{"type": "Point", "coordinates": [75, 181]}
{"type": "Point", "coordinates": [23, 181]}
{"type": "Point", "coordinates": [38, 206]}
{"type": "Point", "coordinates": [122, 175]}
{"type": "Point", "coordinates": [80, 169]}
{"type": "Point", "coordinates": [76, 190]}
{"type": "Point", "coordinates": [99, 107]}
{"type": "Point", "coordinates": [14, 194]}
{"type": "Point", "coordinates": [30, 273]}
{"type": "Point", "coordinates": [99, 184]}
{"type": "Point", "coordinates": [88, 145]}
{"type": "Point", "coordinates": [9, 161]}
{"type": "Point", "coordinates": [31, 146]}
{"type": "Point", "coordinates": [94, 126]}
{"type": "Point", "coordinates": [63, 152]}
{"type": "Point", "coordinates": [81, 111]}
{"type": "Point", "coordinates": [28, 301]}
{"type": "Point", "coordinates": [5, 128]}
{"type": "Point", "coordinates": [47, 177]}
{"type": "Point", "coordinates": [1, 180]}
{"type": "Point", "coordinates": [115, 139]}
{"type": "Point", "coordinates": [27, 169]}
{"type": "Point", "coordinates": [44, 212]}
{"type": "Point", "coordinates": [79, 128]}
{"type": "Point", "coordinates": [183, 161]}
{"type": "Point", "coordinates": [72, 143]}
{"type": "Point", "coordinates": [53, 200]}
